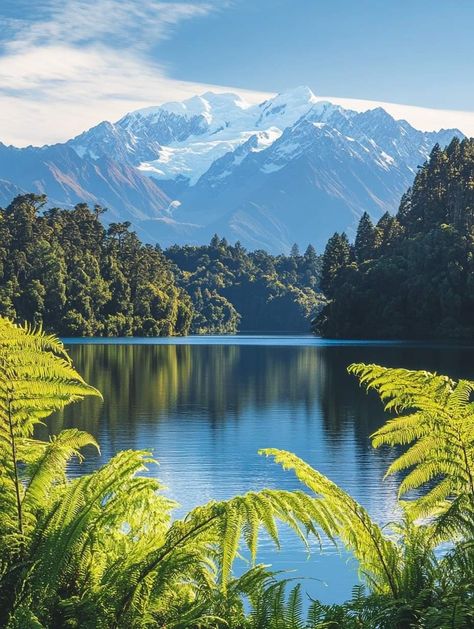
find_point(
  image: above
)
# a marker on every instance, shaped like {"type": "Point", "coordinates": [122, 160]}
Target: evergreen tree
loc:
{"type": "Point", "coordinates": [365, 241]}
{"type": "Point", "coordinates": [420, 284]}
{"type": "Point", "coordinates": [65, 270]}
{"type": "Point", "coordinates": [295, 251]}
{"type": "Point", "coordinates": [62, 269]}
{"type": "Point", "coordinates": [335, 258]}
{"type": "Point", "coordinates": [387, 233]}
{"type": "Point", "coordinates": [310, 268]}
{"type": "Point", "coordinates": [215, 241]}
{"type": "Point", "coordinates": [310, 255]}
{"type": "Point", "coordinates": [233, 289]}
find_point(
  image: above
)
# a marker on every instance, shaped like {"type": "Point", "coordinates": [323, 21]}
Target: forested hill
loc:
{"type": "Point", "coordinates": [233, 289]}
{"type": "Point", "coordinates": [411, 275]}
{"type": "Point", "coordinates": [65, 270]}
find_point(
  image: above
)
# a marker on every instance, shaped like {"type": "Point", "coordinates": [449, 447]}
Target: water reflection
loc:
{"type": "Point", "coordinates": [205, 410]}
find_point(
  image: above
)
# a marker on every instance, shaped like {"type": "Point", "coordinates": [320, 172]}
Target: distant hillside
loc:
{"type": "Point", "coordinates": [412, 275]}
{"type": "Point", "coordinates": [291, 169]}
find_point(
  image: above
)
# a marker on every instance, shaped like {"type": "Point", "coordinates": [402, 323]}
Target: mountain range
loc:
{"type": "Point", "coordinates": [290, 169]}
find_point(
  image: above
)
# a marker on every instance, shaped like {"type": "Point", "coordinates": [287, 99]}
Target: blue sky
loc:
{"type": "Point", "coordinates": [67, 64]}
{"type": "Point", "coordinates": [417, 52]}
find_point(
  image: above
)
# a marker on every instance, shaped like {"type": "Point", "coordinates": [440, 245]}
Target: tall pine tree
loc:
{"type": "Point", "coordinates": [364, 246]}
{"type": "Point", "coordinates": [336, 256]}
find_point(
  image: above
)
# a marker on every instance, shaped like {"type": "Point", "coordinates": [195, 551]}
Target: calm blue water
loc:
{"type": "Point", "coordinates": [205, 405]}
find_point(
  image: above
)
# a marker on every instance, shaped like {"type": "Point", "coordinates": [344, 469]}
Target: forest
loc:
{"type": "Point", "coordinates": [410, 276]}
{"type": "Point", "coordinates": [232, 289]}
{"type": "Point", "coordinates": [64, 269]}
{"type": "Point", "coordinates": [103, 551]}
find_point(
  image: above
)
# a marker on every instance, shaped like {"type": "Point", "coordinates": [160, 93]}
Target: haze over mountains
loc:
{"type": "Point", "coordinates": [291, 169]}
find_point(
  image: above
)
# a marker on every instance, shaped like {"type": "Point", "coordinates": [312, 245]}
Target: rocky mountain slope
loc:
{"type": "Point", "coordinates": [291, 169]}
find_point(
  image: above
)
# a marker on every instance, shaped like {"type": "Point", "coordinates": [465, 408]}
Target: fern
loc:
{"type": "Point", "coordinates": [377, 554]}
{"type": "Point", "coordinates": [439, 430]}
{"type": "Point", "coordinates": [102, 551]}
{"type": "Point", "coordinates": [36, 378]}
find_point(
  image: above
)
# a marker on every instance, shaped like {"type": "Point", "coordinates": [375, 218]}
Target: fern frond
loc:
{"type": "Point", "coordinates": [378, 556]}
{"type": "Point", "coordinates": [48, 466]}
{"type": "Point", "coordinates": [440, 429]}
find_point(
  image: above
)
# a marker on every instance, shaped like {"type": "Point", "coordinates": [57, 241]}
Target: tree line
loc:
{"type": "Point", "coordinates": [232, 289]}
{"type": "Point", "coordinates": [410, 275]}
{"type": "Point", "coordinates": [64, 270]}
{"type": "Point", "coordinates": [67, 271]}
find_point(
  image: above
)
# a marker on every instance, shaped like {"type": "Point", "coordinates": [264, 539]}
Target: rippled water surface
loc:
{"type": "Point", "coordinates": [205, 405]}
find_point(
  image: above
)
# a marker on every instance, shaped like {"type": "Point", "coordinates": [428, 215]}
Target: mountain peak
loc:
{"type": "Point", "coordinates": [296, 97]}
{"type": "Point", "coordinates": [199, 105]}
{"type": "Point", "coordinates": [380, 112]}
{"type": "Point", "coordinates": [299, 94]}
{"type": "Point", "coordinates": [290, 166]}
{"type": "Point", "coordinates": [225, 98]}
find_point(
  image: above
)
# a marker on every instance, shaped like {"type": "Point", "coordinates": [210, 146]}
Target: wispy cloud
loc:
{"type": "Point", "coordinates": [70, 64]}
{"type": "Point", "coordinates": [81, 61]}
{"type": "Point", "coordinates": [109, 22]}
{"type": "Point", "coordinates": [423, 118]}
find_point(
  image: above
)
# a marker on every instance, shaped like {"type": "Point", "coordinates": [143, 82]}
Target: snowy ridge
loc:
{"type": "Point", "coordinates": [190, 135]}
{"type": "Point", "coordinates": [293, 168]}
{"type": "Point", "coordinates": [223, 122]}
{"type": "Point", "coordinates": [187, 139]}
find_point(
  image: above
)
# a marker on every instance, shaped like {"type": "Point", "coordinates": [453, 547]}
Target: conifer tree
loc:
{"type": "Point", "coordinates": [295, 251]}
{"type": "Point", "coordinates": [310, 254]}
{"type": "Point", "coordinates": [420, 283]}
{"type": "Point", "coordinates": [387, 232]}
{"type": "Point", "coordinates": [364, 246]}
{"type": "Point", "coordinates": [336, 256]}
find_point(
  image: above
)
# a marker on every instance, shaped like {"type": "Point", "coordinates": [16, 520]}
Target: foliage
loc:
{"type": "Point", "coordinates": [64, 270]}
{"type": "Point", "coordinates": [234, 289]}
{"type": "Point", "coordinates": [411, 583]}
{"type": "Point", "coordinates": [411, 275]}
{"type": "Point", "coordinates": [337, 256]}
{"type": "Point", "coordinates": [439, 427]}
{"type": "Point", "coordinates": [102, 550]}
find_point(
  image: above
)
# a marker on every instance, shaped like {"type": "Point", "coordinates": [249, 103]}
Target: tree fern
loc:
{"type": "Point", "coordinates": [36, 378]}
{"type": "Point", "coordinates": [439, 428]}
{"type": "Point", "coordinates": [102, 551]}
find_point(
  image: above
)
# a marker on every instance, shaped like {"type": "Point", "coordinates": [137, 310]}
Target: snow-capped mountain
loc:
{"type": "Point", "coordinates": [290, 169]}
{"type": "Point", "coordinates": [183, 139]}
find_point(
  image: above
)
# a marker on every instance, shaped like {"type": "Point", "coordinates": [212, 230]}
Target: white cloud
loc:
{"type": "Point", "coordinates": [424, 118]}
{"type": "Point", "coordinates": [55, 92]}
{"type": "Point", "coordinates": [114, 22]}
{"type": "Point", "coordinates": [86, 61]}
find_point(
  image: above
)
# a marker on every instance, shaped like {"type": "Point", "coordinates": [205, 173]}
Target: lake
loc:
{"type": "Point", "coordinates": [205, 405]}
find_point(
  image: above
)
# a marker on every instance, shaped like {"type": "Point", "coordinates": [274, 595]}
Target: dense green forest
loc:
{"type": "Point", "coordinates": [410, 275]}
{"type": "Point", "coordinates": [103, 551]}
{"type": "Point", "coordinates": [231, 288]}
{"type": "Point", "coordinates": [67, 271]}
